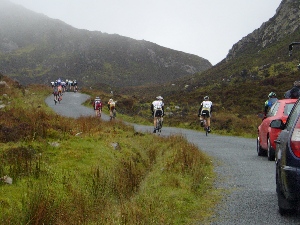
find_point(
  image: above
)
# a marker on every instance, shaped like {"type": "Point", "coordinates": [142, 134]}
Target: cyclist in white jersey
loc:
{"type": "Point", "coordinates": [157, 108]}
{"type": "Point", "coordinates": [205, 111]}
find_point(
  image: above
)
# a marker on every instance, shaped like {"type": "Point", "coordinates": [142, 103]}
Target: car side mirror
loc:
{"type": "Point", "coordinates": [277, 124]}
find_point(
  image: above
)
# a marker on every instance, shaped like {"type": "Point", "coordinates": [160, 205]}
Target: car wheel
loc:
{"type": "Point", "coordinates": [285, 206]}
{"type": "Point", "coordinates": [260, 151]}
{"type": "Point", "coordinates": [270, 152]}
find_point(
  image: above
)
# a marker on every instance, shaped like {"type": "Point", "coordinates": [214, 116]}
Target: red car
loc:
{"type": "Point", "coordinates": [266, 135]}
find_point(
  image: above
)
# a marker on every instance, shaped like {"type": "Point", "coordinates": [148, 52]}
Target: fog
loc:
{"type": "Point", "coordinates": [207, 28]}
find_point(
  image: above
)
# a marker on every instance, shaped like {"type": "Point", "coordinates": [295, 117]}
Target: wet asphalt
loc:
{"type": "Point", "coordinates": [247, 180]}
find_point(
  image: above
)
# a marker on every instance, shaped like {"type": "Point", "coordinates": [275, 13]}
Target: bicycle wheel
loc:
{"type": "Point", "coordinates": [158, 125]}
{"type": "Point", "coordinates": [205, 127]}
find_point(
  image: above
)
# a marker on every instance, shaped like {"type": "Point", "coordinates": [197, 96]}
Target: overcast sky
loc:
{"type": "Point", "coordinates": [207, 28]}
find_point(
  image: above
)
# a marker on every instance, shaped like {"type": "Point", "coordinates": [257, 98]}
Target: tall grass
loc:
{"type": "Point", "coordinates": [68, 171]}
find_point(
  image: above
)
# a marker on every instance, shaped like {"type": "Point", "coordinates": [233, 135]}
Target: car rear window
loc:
{"type": "Point", "coordinates": [273, 109]}
{"type": "Point", "coordinates": [293, 116]}
{"type": "Point", "coordinates": [288, 108]}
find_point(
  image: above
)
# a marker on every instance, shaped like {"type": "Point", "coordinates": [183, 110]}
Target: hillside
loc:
{"type": "Point", "coordinates": [239, 85]}
{"type": "Point", "coordinates": [38, 49]}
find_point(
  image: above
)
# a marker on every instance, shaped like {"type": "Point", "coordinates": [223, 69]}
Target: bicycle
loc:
{"type": "Point", "coordinates": [203, 123]}
{"type": "Point", "coordinates": [159, 123]}
{"type": "Point", "coordinates": [113, 114]}
{"type": "Point", "coordinates": [205, 127]}
{"type": "Point", "coordinates": [99, 112]}
{"type": "Point", "coordinates": [59, 99]}
{"type": "Point", "coordinates": [56, 96]}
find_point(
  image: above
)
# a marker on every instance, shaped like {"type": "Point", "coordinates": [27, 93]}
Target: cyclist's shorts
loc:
{"type": "Point", "coordinates": [158, 113]}
{"type": "Point", "coordinates": [55, 93]}
{"type": "Point", "coordinates": [205, 113]}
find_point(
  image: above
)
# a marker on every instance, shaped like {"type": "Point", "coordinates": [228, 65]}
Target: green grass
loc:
{"type": "Point", "coordinates": [67, 171]}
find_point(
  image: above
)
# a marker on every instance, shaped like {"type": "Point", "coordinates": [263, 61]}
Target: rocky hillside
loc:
{"type": "Point", "coordinates": [285, 23]}
{"type": "Point", "coordinates": [259, 55]}
{"type": "Point", "coordinates": [239, 85]}
{"type": "Point", "coordinates": [38, 49]}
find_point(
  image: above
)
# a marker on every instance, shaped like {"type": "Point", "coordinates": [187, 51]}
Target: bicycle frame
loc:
{"type": "Point", "coordinates": [113, 114]}
{"type": "Point", "coordinates": [158, 124]}
{"type": "Point", "coordinates": [205, 125]}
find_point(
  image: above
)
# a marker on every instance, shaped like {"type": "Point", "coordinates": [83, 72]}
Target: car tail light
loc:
{"type": "Point", "coordinates": [295, 140]}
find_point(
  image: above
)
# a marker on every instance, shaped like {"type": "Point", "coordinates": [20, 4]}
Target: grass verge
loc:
{"type": "Point", "coordinates": [84, 171]}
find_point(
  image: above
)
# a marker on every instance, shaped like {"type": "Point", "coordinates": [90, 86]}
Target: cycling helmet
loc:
{"type": "Point", "coordinates": [206, 98]}
{"type": "Point", "coordinates": [159, 98]}
{"type": "Point", "coordinates": [272, 95]}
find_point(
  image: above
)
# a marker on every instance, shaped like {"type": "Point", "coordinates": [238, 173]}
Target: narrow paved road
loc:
{"type": "Point", "coordinates": [249, 179]}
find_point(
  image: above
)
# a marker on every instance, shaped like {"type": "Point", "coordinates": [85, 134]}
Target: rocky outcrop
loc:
{"type": "Point", "coordinates": [285, 22]}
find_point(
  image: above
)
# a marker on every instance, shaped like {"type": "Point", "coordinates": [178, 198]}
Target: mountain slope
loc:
{"type": "Point", "coordinates": [260, 56]}
{"type": "Point", "coordinates": [35, 48]}
{"type": "Point", "coordinates": [284, 24]}
{"type": "Point", "coordinates": [239, 85]}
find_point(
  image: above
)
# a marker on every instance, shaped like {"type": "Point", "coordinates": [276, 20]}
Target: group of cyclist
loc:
{"type": "Point", "coordinates": [68, 85]}
{"type": "Point", "coordinates": [97, 105]}
{"type": "Point", "coordinates": [157, 109]}
{"type": "Point", "coordinates": [204, 112]}
{"type": "Point", "coordinates": [60, 86]}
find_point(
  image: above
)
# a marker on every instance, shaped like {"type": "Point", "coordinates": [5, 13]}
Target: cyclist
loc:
{"type": "Point", "coordinates": [59, 87]}
{"type": "Point", "coordinates": [55, 93]}
{"type": "Point", "coordinates": [70, 85]}
{"type": "Point", "coordinates": [157, 108]}
{"type": "Point", "coordinates": [294, 92]}
{"type": "Point", "coordinates": [75, 85]}
{"type": "Point", "coordinates": [205, 110]}
{"type": "Point", "coordinates": [97, 104]}
{"type": "Point", "coordinates": [63, 85]}
{"type": "Point", "coordinates": [268, 104]}
{"type": "Point", "coordinates": [111, 107]}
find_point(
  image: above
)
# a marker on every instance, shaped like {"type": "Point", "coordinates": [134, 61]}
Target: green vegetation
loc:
{"type": "Point", "coordinates": [84, 171]}
{"type": "Point", "coordinates": [238, 89]}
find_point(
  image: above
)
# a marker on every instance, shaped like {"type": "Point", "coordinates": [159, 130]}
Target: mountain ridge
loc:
{"type": "Point", "coordinates": [37, 49]}
{"type": "Point", "coordinates": [285, 22]}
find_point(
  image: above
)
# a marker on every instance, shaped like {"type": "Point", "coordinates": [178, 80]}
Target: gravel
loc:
{"type": "Point", "coordinates": [248, 181]}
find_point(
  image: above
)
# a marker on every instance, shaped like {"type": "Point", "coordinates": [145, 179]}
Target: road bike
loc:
{"type": "Point", "coordinates": [113, 114]}
{"type": "Point", "coordinates": [59, 99]}
{"type": "Point", "coordinates": [203, 123]}
{"type": "Point", "coordinates": [159, 123]}
{"type": "Point", "coordinates": [56, 98]}
{"type": "Point", "coordinates": [99, 112]}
